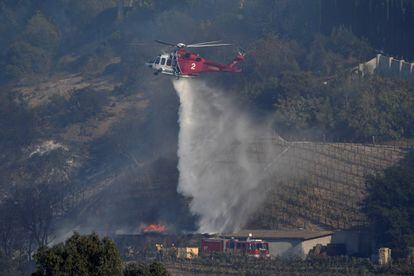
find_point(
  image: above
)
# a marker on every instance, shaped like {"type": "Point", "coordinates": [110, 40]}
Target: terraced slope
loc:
{"type": "Point", "coordinates": [319, 185]}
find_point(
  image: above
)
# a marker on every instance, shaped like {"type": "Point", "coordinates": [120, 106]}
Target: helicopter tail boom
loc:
{"type": "Point", "coordinates": [237, 60]}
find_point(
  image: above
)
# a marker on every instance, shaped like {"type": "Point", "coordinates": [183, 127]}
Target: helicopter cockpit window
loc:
{"type": "Point", "coordinates": [157, 61]}
{"type": "Point", "coordinates": [162, 61]}
{"type": "Point", "coordinates": [187, 55]}
{"type": "Point", "coordinates": [169, 62]}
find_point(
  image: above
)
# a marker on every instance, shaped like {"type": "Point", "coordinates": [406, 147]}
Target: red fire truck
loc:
{"type": "Point", "coordinates": [249, 247]}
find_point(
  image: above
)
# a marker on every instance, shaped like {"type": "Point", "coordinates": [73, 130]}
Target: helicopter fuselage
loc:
{"type": "Point", "coordinates": [182, 63]}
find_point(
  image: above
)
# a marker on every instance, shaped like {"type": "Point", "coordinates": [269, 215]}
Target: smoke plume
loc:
{"type": "Point", "coordinates": [218, 169]}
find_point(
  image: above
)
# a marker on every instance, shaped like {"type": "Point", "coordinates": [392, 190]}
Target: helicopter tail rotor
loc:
{"type": "Point", "coordinates": [241, 52]}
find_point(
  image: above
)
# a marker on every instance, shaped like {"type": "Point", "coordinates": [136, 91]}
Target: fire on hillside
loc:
{"type": "Point", "coordinates": [154, 228]}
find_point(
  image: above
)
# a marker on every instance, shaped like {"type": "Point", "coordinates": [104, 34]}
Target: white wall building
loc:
{"type": "Point", "coordinates": [388, 67]}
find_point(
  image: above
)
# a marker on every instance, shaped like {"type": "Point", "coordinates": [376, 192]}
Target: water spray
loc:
{"type": "Point", "coordinates": [217, 171]}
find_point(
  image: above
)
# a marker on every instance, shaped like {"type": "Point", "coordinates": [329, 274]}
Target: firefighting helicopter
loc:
{"type": "Point", "coordinates": [182, 63]}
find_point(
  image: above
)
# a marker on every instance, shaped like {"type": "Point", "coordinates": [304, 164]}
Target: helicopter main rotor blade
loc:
{"type": "Point", "coordinates": [165, 43]}
{"type": "Point", "coordinates": [207, 45]}
{"type": "Point", "coordinates": [204, 43]}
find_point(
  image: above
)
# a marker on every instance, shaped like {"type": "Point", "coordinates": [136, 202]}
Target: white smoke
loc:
{"type": "Point", "coordinates": [218, 169]}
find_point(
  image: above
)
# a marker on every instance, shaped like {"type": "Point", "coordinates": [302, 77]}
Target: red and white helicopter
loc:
{"type": "Point", "coordinates": [182, 63]}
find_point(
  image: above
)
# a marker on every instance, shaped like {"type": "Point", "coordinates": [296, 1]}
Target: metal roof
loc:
{"type": "Point", "coordinates": [277, 234]}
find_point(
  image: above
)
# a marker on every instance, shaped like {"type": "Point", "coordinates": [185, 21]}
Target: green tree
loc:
{"type": "Point", "coordinates": [321, 60]}
{"type": "Point", "coordinates": [157, 269]}
{"type": "Point", "coordinates": [389, 206]}
{"type": "Point", "coordinates": [154, 269]}
{"type": "Point", "coordinates": [33, 50]}
{"type": "Point", "coordinates": [344, 42]}
{"type": "Point", "coordinates": [271, 58]}
{"type": "Point", "coordinates": [133, 269]}
{"type": "Point", "coordinates": [81, 12]}
{"type": "Point", "coordinates": [80, 255]}
{"type": "Point", "coordinates": [373, 107]}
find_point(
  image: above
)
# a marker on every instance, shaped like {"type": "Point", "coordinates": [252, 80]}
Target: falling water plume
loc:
{"type": "Point", "coordinates": [217, 169]}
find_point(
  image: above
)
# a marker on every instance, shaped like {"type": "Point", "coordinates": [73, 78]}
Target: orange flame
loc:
{"type": "Point", "coordinates": [158, 228]}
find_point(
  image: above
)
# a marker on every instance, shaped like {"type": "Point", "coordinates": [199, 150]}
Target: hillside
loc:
{"type": "Point", "coordinates": [89, 136]}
